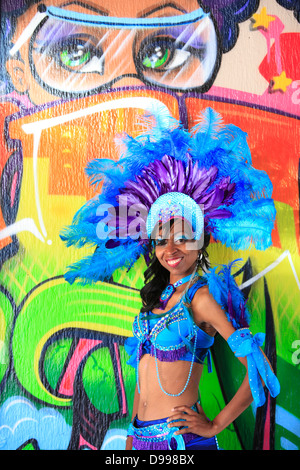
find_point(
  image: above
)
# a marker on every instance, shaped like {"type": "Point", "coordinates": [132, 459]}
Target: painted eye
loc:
{"type": "Point", "coordinates": [74, 54]}
{"type": "Point", "coordinates": [80, 55]}
{"type": "Point", "coordinates": [179, 57]}
{"type": "Point", "coordinates": [180, 240]}
{"type": "Point", "coordinates": [161, 54]}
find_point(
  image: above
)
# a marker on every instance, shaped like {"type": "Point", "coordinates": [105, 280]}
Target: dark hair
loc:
{"type": "Point", "coordinates": [157, 277]}
{"type": "Point", "coordinates": [227, 15]}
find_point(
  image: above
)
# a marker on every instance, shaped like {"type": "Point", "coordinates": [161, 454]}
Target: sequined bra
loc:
{"type": "Point", "coordinates": [169, 338]}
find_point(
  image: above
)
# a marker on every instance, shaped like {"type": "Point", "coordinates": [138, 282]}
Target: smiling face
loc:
{"type": "Point", "coordinates": [175, 250]}
{"type": "Point", "coordinates": [74, 50]}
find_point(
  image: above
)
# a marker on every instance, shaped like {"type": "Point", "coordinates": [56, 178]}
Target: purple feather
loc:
{"type": "Point", "coordinates": [180, 177]}
{"type": "Point", "coordinates": [207, 177]}
{"type": "Point", "coordinates": [230, 306]}
{"type": "Point", "coordinates": [188, 178]}
{"type": "Point", "coordinates": [242, 319]}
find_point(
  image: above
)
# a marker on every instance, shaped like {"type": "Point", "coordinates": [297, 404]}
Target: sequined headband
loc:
{"type": "Point", "coordinates": [175, 205]}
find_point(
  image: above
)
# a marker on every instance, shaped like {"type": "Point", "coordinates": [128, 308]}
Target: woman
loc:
{"type": "Point", "coordinates": [191, 185]}
{"type": "Point", "coordinates": [175, 378]}
{"type": "Point", "coordinates": [152, 403]}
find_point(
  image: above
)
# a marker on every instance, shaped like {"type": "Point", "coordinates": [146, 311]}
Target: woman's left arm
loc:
{"type": "Point", "coordinates": [239, 403]}
{"type": "Point", "coordinates": [193, 422]}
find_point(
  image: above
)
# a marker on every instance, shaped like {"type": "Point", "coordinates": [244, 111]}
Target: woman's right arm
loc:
{"type": "Point", "coordinates": [134, 413]}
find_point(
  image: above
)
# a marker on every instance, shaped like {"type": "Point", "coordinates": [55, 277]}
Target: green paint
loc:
{"type": "Point", "coordinates": [61, 309]}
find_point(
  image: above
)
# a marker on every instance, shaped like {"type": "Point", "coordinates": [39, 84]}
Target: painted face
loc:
{"type": "Point", "coordinates": [175, 249]}
{"type": "Point", "coordinates": [74, 49]}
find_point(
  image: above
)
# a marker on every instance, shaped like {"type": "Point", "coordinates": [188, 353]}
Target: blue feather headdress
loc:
{"type": "Point", "coordinates": [211, 164]}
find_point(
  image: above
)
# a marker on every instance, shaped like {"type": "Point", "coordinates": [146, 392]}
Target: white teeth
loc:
{"type": "Point", "coordinates": [173, 261]}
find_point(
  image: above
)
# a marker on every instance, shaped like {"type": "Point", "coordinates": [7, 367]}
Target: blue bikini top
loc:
{"type": "Point", "coordinates": [171, 336]}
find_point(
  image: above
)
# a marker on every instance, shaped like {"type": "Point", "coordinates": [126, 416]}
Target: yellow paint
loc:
{"type": "Point", "coordinates": [262, 19]}
{"type": "Point", "coordinates": [281, 82]}
{"type": "Point", "coordinates": [2, 325]}
{"type": "Point", "coordinates": [103, 303]}
{"type": "Point", "coordinates": [98, 292]}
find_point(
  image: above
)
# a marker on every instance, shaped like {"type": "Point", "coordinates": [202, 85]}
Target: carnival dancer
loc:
{"type": "Point", "coordinates": [168, 194]}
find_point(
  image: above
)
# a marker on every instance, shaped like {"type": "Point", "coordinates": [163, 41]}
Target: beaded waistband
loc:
{"type": "Point", "coordinates": [157, 436]}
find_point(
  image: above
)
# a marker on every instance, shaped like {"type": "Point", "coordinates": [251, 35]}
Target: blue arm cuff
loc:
{"type": "Point", "coordinates": [244, 344]}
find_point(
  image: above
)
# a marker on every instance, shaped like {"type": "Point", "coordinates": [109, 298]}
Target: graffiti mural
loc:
{"type": "Point", "coordinates": [73, 75]}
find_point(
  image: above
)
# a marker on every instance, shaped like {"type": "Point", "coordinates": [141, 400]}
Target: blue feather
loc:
{"type": "Point", "coordinates": [222, 286]}
{"type": "Point", "coordinates": [101, 265]}
{"type": "Point", "coordinates": [99, 169]}
{"type": "Point", "coordinates": [80, 235]}
{"type": "Point", "coordinates": [251, 226]}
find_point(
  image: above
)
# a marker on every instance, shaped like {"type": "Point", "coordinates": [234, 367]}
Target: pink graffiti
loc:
{"type": "Point", "coordinates": [274, 30]}
{"type": "Point", "coordinates": [124, 401]}
{"type": "Point", "coordinates": [82, 349]}
{"type": "Point", "coordinates": [13, 189]}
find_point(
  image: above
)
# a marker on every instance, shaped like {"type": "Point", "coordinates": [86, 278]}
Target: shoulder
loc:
{"type": "Point", "coordinates": [203, 300]}
{"type": "Point", "coordinates": [196, 285]}
{"type": "Point", "coordinates": [220, 302]}
{"type": "Point", "coordinates": [206, 310]}
{"type": "Point", "coordinates": [201, 304]}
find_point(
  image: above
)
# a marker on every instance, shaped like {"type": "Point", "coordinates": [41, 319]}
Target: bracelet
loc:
{"type": "Point", "coordinates": [244, 344]}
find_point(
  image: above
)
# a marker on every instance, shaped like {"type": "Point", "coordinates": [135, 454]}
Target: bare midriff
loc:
{"type": "Point", "coordinates": [153, 402]}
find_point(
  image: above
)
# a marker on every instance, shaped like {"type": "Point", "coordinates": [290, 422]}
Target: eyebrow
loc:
{"type": "Point", "coordinates": [162, 7]}
{"type": "Point", "coordinates": [87, 6]}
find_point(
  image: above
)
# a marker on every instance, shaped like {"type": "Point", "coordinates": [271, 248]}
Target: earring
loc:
{"type": "Point", "coordinates": [200, 257]}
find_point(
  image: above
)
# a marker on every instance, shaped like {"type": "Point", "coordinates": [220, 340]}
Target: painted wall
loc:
{"type": "Point", "coordinates": [63, 374]}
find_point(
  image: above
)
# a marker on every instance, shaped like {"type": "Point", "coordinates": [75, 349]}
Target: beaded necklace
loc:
{"type": "Point", "coordinates": [170, 289]}
{"type": "Point", "coordinates": [188, 378]}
